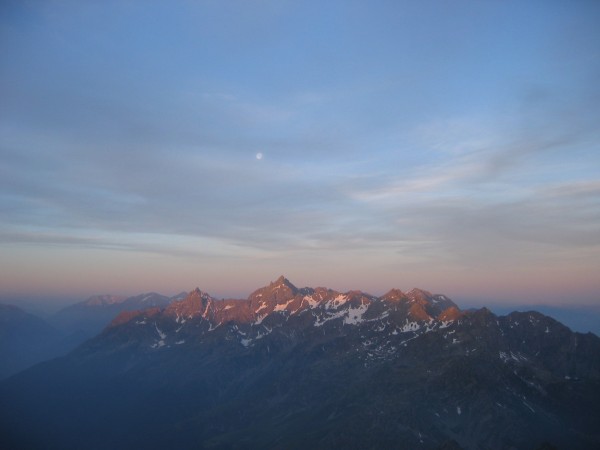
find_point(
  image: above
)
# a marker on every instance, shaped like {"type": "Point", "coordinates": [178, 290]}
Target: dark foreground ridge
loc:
{"type": "Point", "coordinates": [298, 368]}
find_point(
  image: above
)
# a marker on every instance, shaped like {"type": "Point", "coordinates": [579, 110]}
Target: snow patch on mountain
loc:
{"type": "Point", "coordinates": [321, 321]}
{"type": "Point", "coordinates": [336, 302]}
{"type": "Point", "coordinates": [259, 319]}
{"type": "Point", "coordinates": [355, 315]}
{"type": "Point", "coordinates": [312, 302]}
{"type": "Point", "coordinates": [283, 306]}
{"type": "Point", "coordinates": [160, 333]}
{"type": "Point", "coordinates": [410, 326]}
{"type": "Point", "coordinates": [517, 357]}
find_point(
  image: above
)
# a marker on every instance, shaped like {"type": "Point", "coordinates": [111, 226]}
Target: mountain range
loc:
{"type": "Point", "coordinates": [313, 367]}
{"type": "Point", "coordinates": [92, 315]}
{"type": "Point", "coordinates": [26, 339]}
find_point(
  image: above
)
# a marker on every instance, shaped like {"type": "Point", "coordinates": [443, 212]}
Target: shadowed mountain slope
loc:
{"type": "Point", "coordinates": [297, 368]}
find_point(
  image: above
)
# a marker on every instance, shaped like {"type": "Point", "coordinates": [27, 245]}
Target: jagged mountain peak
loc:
{"type": "Point", "coordinates": [422, 305]}
{"type": "Point", "coordinates": [197, 302]}
{"type": "Point", "coordinates": [199, 293]}
{"type": "Point", "coordinates": [394, 295]}
{"type": "Point", "coordinates": [197, 296]}
{"type": "Point", "coordinates": [104, 299]}
{"type": "Point", "coordinates": [146, 300]}
{"type": "Point", "coordinates": [277, 291]}
{"type": "Point", "coordinates": [283, 282]}
{"type": "Point", "coordinates": [419, 294]}
{"type": "Point", "coordinates": [182, 295]}
{"type": "Point", "coordinates": [415, 294]}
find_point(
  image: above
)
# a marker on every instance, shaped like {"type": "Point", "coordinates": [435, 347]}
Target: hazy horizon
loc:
{"type": "Point", "coordinates": [147, 146]}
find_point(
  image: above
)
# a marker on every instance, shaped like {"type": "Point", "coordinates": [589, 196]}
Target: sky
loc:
{"type": "Point", "coordinates": [160, 146]}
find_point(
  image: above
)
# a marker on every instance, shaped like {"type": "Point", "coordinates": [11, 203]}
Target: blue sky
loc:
{"type": "Point", "coordinates": [452, 146]}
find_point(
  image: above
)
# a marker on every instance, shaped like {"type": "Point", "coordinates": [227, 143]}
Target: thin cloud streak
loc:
{"type": "Point", "coordinates": [391, 150]}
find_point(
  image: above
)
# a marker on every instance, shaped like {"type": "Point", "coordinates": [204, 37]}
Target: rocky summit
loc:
{"type": "Point", "coordinates": [312, 367]}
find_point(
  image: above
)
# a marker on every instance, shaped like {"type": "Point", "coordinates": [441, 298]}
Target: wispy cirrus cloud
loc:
{"type": "Point", "coordinates": [395, 148]}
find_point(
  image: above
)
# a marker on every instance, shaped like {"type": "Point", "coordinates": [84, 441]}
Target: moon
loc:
{"type": "Point", "coordinates": [259, 156]}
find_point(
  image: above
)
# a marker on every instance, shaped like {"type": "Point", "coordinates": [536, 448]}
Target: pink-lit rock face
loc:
{"type": "Point", "coordinates": [281, 299]}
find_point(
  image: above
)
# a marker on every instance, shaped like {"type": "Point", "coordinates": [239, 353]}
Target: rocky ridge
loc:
{"type": "Point", "coordinates": [281, 303]}
{"type": "Point", "coordinates": [313, 367]}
